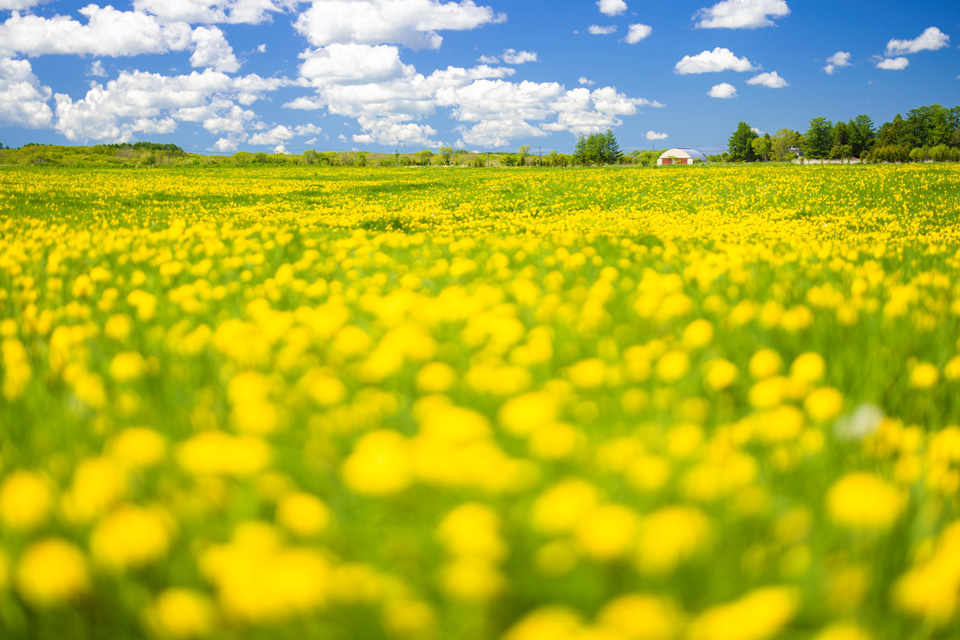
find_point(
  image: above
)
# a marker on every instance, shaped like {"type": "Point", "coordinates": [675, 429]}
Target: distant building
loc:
{"type": "Point", "coordinates": [680, 156]}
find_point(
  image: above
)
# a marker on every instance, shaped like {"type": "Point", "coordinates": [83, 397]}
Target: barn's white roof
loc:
{"type": "Point", "coordinates": [693, 154]}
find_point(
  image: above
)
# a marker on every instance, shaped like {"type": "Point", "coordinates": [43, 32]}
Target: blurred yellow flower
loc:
{"type": "Point", "coordinates": [379, 464]}
{"type": "Point", "coordinates": [824, 404]}
{"type": "Point", "coordinates": [720, 374]}
{"type": "Point", "coordinates": [131, 536]}
{"type": "Point", "coordinates": [555, 623]}
{"type": "Point", "coordinates": [924, 375]}
{"type": "Point", "coordinates": [138, 447]}
{"type": "Point", "coordinates": [669, 536]}
{"type": "Point", "coordinates": [180, 613]}
{"type": "Point", "coordinates": [759, 614]}
{"type": "Point", "coordinates": [606, 532]}
{"type": "Point", "coordinates": [50, 572]}
{"type": "Point", "coordinates": [808, 367]}
{"type": "Point", "coordinates": [862, 500]}
{"type": "Point", "coordinates": [642, 617]}
{"type": "Point", "coordinates": [303, 514]}
{"type": "Point", "coordinates": [765, 363]}
{"type": "Point", "coordinates": [672, 366]}
{"type": "Point", "coordinates": [127, 366]}
{"type": "Point", "coordinates": [26, 498]}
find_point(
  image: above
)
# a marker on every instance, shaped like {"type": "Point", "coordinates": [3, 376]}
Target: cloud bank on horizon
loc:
{"type": "Point", "coordinates": [277, 74]}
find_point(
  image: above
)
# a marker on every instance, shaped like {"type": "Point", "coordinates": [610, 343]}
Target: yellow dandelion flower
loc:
{"type": "Point", "coordinates": [606, 532]}
{"type": "Point", "coordinates": [824, 404]}
{"type": "Point", "coordinates": [720, 374]}
{"type": "Point", "coordinates": [642, 617]}
{"type": "Point", "coordinates": [130, 537]}
{"type": "Point", "coordinates": [843, 631]}
{"type": "Point", "coordinates": [672, 366]}
{"type": "Point", "coordinates": [862, 500]}
{"type": "Point", "coordinates": [758, 615]}
{"type": "Point", "coordinates": [303, 514]}
{"type": "Point", "coordinates": [808, 367]}
{"type": "Point", "coordinates": [765, 363]}
{"type": "Point", "coordinates": [924, 375]}
{"type": "Point", "coordinates": [181, 613]}
{"type": "Point", "coordinates": [698, 334]}
{"type": "Point", "coordinates": [379, 465]}
{"type": "Point", "coordinates": [556, 623]}
{"type": "Point", "coordinates": [127, 366]}
{"type": "Point", "coordinates": [50, 572]}
{"type": "Point", "coordinates": [26, 499]}
{"type": "Point", "coordinates": [138, 447]}
{"type": "Point", "coordinates": [559, 508]}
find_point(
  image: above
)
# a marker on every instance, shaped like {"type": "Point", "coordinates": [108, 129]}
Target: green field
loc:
{"type": "Point", "coordinates": [710, 403]}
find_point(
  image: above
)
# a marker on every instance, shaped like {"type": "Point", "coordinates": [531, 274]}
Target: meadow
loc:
{"type": "Point", "coordinates": [624, 404]}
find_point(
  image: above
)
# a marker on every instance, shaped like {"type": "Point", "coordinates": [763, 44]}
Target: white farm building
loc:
{"type": "Point", "coordinates": [680, 156]}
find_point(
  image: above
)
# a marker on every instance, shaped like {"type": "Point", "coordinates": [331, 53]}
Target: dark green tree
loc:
{"type": "Point", "coordinates": [610, 148]}
{"type": "Point", "coordinates": [741, 144]}
{"type": "Point", "coordinates": [862, 134]}
{"type": "Point", "coordinates": [818, 140]}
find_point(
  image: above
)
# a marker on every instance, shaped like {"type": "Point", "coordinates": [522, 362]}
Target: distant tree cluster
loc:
{"type": "Point", "coordinates": [597, 148]}
{"type": "Point", "coordinates": [926, 133]}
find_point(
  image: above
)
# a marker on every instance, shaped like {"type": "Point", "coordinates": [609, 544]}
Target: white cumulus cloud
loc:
{"type": "Point", "coordinates": [638, 32]}
{"type": "Point", "coordinates": [141, 102]}
{"type": "Point", "coordinates": [108, 32]}
{"type": "Point", "coordinates": [597, 30]}
{"type": "Point", "coordinates": [893, 64]}
{"type": "Point", "coordinates": [23, 100]}
{"type": "Point", "coordinates": [723, 91]}
{"type": "Point", "coordinates": [210, 11]}
{"type": "Point", "coordinates": [212, 51]}
{"type": "Point", "coordinates": [836, 61]}
{"type": "Point", "coordinates": [742, 14]}
{"type": "Point", "coordinates": [353, 64]}
{"type": "Point", "coordinates": [930, 40]}
{"type": "Point", "coordinates": [585, 81]}
{"type": "Point", "coordinates": [17, 5]}
{"type": "Point", "coordinates": [720, 59]}
{"type": "Point", "coordinates": [411, 23]}
{"type": "Point", "coordinates": [771, 80]}
{"type": "Point", "coordinates": [511, 56]}
{"type": "Point", "coordinates": [653, 135]}
{"type": "Point", "coordinates": [96, 69]}
{"type": "Point", "coordinates": [612, 7]}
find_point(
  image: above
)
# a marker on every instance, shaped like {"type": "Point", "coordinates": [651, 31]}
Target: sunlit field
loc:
{"type": "Point", "coordinates": [457, 404]}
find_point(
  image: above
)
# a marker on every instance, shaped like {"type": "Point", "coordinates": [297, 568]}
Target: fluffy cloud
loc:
{"type": "Point", "coordinates": [23, 100]}
{"type": "Point", "coordinates": [108, 32]}
{"type": "Point", "coordinates": [930, 40]}
{"type": "Point", "coordinates": [638, 32]}
{"type": "Point", "coordinates": [893, 64]}
{"type": "Point", "coordinates": [597, 30]}
{"type": "Point", "coordinates": [511, 56]}
{"type": "Point", "coordinates": [720, 59]}
{"type": "Point", "coordinates": [394, 132]}
{"type": "Point", "coordinates": [836, 61]}
{"type": "Point", "coordinates": [210, 11]}
{"type": "Point", "coordinates": [211, 50]}
{"type": "Point", "coordinates": [771, 80]}
{"type": "Point", "coordinates": [612, 7]}
{"type": "Point", "coordinates": [723, 91]}
{"type": "Point", "coordinates": [225, 145]}
{"type": "Point", "coordinates": [653, 135]}
{"type": "Point", "coordinates": [282, 133]}
{"type": "Point", "coordinates": [411, 23]}
{"type": "Point", "coordinates": [585, 81]}
{"type": "Point", "coordinates": [96, 70]}
{"type": "Point", "coordinates": [353, 64]}
{"type": "Point", "coordinates": [17, 5]}
{"type": "Point", "coordinates": [142, 102]}
{"type": "Point", "coordinates": [742, 14]}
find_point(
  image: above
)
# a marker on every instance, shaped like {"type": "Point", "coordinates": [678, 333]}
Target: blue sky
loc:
{"type": "Point", "coordinates": [217, 76]}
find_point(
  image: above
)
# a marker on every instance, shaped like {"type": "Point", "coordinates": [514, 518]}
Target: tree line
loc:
{"type": "Point", "coordinates": [926, 133]}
